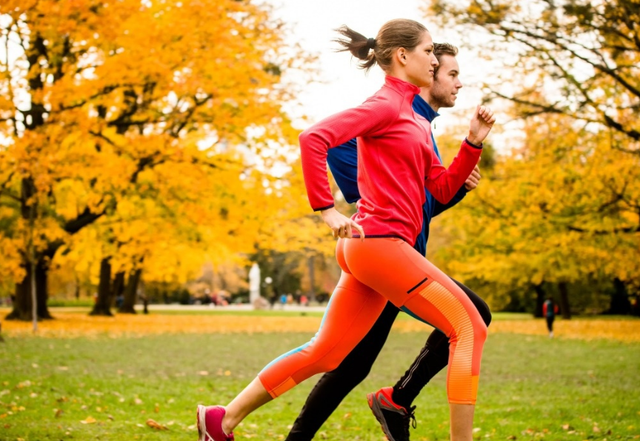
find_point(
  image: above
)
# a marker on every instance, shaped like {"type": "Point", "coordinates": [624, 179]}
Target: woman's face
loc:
{"type": "Point", "coordinates": [421, 62]}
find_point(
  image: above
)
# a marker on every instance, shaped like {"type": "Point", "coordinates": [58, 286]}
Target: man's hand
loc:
{"type": "Point", "coordinates": [480, 125]}
{"type": "Point", "coordinates": [474, 178]}
{"type": "Point", "coordinates": [340, 225]}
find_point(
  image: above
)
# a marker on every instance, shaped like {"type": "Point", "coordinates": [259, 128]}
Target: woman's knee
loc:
{"type": "Point", "coordinates": [328, 364]}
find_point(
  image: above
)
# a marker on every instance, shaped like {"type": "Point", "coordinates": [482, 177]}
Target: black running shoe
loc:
{"type": "Point", "coordinates": [394, 420]}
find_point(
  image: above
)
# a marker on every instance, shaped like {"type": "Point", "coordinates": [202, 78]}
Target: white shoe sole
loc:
{"type": "Point", "coordinates": [202, 427]}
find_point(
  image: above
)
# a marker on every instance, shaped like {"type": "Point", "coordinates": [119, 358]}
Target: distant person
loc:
{"type": "Point", "coordinates": [549, 311]}
{"type": "Point", "coordinates": [304, 301]}
{"type": "Point", "coordinates": [145, 303]}
{"type": "Point", "coordinates": [283, 300]}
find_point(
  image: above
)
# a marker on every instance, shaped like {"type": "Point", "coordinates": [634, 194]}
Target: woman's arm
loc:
{"type": "Point", "coordinates": [371, 117]}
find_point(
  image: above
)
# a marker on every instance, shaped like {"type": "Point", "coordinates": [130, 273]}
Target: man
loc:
{"type": "Point", "coordinates": [391, 406]}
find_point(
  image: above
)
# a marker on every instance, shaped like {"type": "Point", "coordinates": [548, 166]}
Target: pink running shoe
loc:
{"type": "Point", "coordinates": [210, 424]}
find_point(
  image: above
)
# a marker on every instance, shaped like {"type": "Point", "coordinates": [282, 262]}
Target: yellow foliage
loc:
{"type": "Point", "coordinates": [146, 122]}
{"type": "Point", "coordinates": [563, 208]}
{"type": "Point", "coordinates": [74, 324]}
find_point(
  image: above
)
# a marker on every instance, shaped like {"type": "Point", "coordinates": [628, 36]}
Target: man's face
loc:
{"type": "Point", "coordinates": [444, 91]}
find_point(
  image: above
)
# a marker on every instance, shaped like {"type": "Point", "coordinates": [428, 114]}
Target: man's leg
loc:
{"type": "Point", "coordinates": [334, 386]}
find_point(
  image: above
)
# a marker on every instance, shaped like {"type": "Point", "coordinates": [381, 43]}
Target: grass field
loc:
{"type": "Point", "coordinates": [105, 378]}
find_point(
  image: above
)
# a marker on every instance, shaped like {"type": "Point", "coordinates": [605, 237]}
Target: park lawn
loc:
{"type": "Point", "coordinates": [107, 385]}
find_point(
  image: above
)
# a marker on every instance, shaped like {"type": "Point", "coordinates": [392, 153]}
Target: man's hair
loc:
{"type": "Point", "coordinates": [440, 49]}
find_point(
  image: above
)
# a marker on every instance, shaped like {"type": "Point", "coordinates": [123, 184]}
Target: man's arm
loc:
{"type": "Point", "coordinates": [343, 162]}
{"type": "Point", "coordinates": [440, 207]}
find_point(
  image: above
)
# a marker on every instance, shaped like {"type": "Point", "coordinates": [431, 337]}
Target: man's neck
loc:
{"type": "Point", "coordinates": [435, 106]}
{"type": "Point", "coordinates": [429, 100]}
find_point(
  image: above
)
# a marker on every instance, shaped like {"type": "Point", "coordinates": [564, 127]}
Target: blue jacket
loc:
{"type": "Point", "coordinates": [343, 162]}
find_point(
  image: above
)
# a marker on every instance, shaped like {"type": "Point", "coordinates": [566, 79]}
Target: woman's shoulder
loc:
{"type": "Point", "coordinates": [385, 100]}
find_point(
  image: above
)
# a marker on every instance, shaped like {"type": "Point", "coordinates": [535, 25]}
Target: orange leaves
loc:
{"type": "Point", "coordinates": [69, 325]}
{"type": "Point", "coordinates": [123, 97]}
{"type": "Point", "coordinates": [155, 425]}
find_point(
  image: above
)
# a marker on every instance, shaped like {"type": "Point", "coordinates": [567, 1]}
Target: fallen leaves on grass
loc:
{"type": "Point", "coordinates": [583, 329]}
{"type": "Point", "coordinates": [156, 425]}
{"type": "Point", "coordinates": [89, 420]}
{"type": "Point", "coordinates": [78, 324]}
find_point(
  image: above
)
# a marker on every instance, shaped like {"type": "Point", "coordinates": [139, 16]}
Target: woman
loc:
{"type": "Point", "coordinates": [396, 162]}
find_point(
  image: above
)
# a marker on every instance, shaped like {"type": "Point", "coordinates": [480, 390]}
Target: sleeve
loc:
{"type": "Point", "coordinates": [343, 163]}
{"type": "Point", "coordinates": [371, 117]}
{"type": "Point", "coordinates": [440, 208]}
{"type": "Point", "coordinates": [443, 183]}
{"type": "Point", "coordinates": [544, 308]}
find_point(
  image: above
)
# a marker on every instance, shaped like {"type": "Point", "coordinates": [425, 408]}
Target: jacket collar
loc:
{"type": "Point", "coordinates": [401, 86]}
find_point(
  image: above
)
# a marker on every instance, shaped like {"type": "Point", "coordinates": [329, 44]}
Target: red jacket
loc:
{"type": "Point", "coordinates": [395, 161]}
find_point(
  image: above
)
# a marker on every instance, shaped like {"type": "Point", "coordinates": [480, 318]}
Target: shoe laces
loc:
{"type": "Point", "coordinates": [410, 420]}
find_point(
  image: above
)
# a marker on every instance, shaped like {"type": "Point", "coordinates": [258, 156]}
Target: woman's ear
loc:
{"type": "Point", "coordinates": [401, 56]}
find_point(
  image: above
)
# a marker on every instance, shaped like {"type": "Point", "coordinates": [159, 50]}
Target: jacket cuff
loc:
{"type": "Point", "coordinates": [324, 208]}
{"type": "Point", "coordinates": [472, 144]}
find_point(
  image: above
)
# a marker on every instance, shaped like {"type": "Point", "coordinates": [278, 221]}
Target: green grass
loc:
{"type": "Point", "coordinates": [530, 388]}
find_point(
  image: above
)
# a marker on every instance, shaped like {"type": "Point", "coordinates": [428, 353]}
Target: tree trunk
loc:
{"type": "Point", "coordinates": [564, 300]}
{"type": "Point", "coordinates": [118, 286]}
{"type": "Point", "coordinates": [620, 303]}
{"type": "Point", "coordinates": [540, 297]}
{"type": "Point", "coordinates": [103, 302]}
{"type": "Point", "coordinates": [22, 306]}
{"type": "Point", "coordinates": [130, 293]}
{"type": "Point", "coordinates": [42, 288]}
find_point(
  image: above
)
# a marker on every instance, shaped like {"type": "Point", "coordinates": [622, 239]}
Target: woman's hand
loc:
{"type": "Point", "coordinates": [480, 125]}
{"type": "Point", "coordinates": [340, 225]}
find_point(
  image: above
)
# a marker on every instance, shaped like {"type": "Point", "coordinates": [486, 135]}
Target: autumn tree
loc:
{"type": "Point", "coordinates": [559, 210]}
{"type": "Point", "coordinates": [101, 100]}
{"type": "Point", "coordinates": [579, 58]}
{"type": "Point", "coordinates": [570, 71]}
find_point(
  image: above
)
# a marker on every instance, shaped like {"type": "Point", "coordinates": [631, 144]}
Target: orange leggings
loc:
{"type": "Point", "coordinates": [376, 270]}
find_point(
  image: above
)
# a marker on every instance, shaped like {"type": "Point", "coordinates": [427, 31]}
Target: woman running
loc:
{"type": "Point", "coordinates": [396, 162]}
